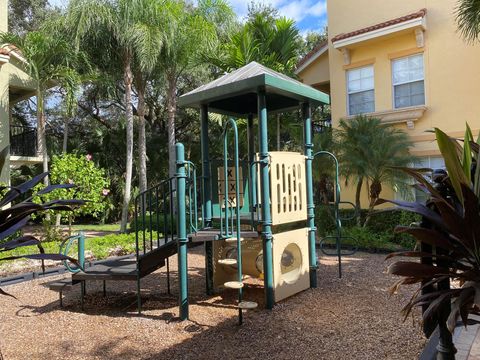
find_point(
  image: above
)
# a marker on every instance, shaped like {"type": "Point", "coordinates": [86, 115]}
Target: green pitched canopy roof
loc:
{"type": "Point", "coordinates": [236, 93]}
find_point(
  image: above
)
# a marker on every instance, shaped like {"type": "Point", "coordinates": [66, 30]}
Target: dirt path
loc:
{"type": "Point", "coordinates": [348, 318]}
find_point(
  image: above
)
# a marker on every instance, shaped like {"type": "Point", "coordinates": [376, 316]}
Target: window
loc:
{"type": "Point", "coordinates": [430, 162]}
{"type": "Point", "coordinates": [360, 88]}
{"type": "Point", "coordinates": [408, 81]}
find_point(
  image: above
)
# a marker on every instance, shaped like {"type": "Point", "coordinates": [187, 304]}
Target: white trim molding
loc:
{"type": "Point", "coordinates": [418, 23]}
{"type": "Point", "coordinates": [314, 57]}
{"type": "Point", "coordinates": [406, 115]}
{"type": "Point", "coordinates": [4, 59]}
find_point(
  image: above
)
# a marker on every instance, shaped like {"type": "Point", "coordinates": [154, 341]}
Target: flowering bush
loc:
{"type": "Point", "coordinates": [90, 183]}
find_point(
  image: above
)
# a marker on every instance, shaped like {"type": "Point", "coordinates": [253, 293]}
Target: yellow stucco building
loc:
{"type": "Point", "coordinates": [403, 62]}
{"type": "Point", "coordinates": [15, 85]}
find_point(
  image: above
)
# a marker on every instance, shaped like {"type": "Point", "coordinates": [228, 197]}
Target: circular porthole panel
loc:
{"type": "Point", "coordinates": [291, 263]}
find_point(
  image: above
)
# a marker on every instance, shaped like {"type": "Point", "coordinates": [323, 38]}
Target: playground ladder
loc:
{"type": "Point", "coordinates": [232, 230]}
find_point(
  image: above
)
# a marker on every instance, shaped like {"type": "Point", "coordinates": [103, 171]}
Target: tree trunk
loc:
{"type": "Point", "coordinates": [142, 142]}
{"type": "Point", "coordinates": [127, 78]}
{"type": "Point", "coordinates": [41, 133]}
{"type": "Point", "coordinates": [58, 218]}
{"type": "Point", "coordinates": [171, 110]}
{"type": "Point", "coordinates": [358, 205]}
{"type": "Point", "coordinates": [278, 132]}
{"type": "Point", "coordinates": [375, 190]}
{"type": "Point", "coordinates": [65, 137]}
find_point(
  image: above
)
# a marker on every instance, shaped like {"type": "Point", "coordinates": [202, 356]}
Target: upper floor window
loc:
{"type": "Point", "coordinates": [360, 88]}
{"type": "Point", "coordinates": [408, 81]}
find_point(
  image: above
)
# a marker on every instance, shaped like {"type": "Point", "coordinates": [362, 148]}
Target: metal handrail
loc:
{"type": "Point", "coordinates": [233, 126]}
{"type": "Point", "coordinates": [65, 248]}
{"type": "Point", "coordinates": [338, 220]}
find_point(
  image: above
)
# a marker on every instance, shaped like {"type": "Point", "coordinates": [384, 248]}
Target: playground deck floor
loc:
{"type": "Point", "coordinates": [349, 318]}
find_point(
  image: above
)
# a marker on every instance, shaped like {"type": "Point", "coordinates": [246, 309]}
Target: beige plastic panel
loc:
{"type": "Point", "coordinates": [231, 186]}
{"type": "Point", "coordinates": [287, 187]}
{"type": "Point", "coordinates": [251, 249]}
{"type": "Point", "coordinates": [290, 263]}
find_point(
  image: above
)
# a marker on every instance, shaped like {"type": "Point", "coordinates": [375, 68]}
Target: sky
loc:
{"type": "Point", "coordinates": [310, 15]}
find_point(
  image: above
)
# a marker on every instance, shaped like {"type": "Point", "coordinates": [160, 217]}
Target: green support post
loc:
{"type": "Point", "coordinates": [265, 190]}
{"type": "Point", "coordinates": [307, 126]}
{"type": "Point", "coordinates": [81, 250]}
{"type": "Point", "coordinates": [206, 186]}
{"type": "Point", "coordinates": [252, 169]}
{"type": "Point", "coordinates": [206, 197]}
{"type": "Point", "coordinates": [182, 232]}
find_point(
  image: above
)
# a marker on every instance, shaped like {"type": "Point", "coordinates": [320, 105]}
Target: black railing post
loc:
{"type": "Point", "coordinates": [23, 141]}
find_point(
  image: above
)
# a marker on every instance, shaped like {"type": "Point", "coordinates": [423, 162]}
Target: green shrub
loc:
{"type": "Point", "coordinates": [151, 222]}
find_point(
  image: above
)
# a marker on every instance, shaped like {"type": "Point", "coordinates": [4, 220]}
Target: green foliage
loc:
{"type": "Point", "coordinates": [16, 209]}
{"type": "Point", "coordinates": [467, 15]}
{"type": "Point", "coordinates": [453, 217]}
{"type": "Point", "coordinates": [371, 152]}
{"type": "Point", "coordinates": [99, 247]}
{"type": "Point", "coordinates": [366, 239]}
{"type": "Point", "coordinates": [381, 227]}
{"type": "Point", "coordinates": [90, 182]}
{"type": "Point", "coordinates": [265, 38]}
{"type": "Point", "coordinates": [151, 222]}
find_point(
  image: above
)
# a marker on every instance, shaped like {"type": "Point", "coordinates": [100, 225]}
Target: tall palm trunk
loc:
{"type": "Point", "coordinates": [171, 110]}
{"type": "Point", "coordinates": [41, 133]}
{"type": "Point", "coordinates": [358, 205]}
{"type": "Point", "coordinates": [65, 137]}
{"type": "Point", "coordinates": [127, 78]}
{"type": "Point", "coordinates": [375, 190]}
{"type": "Point", "coordinates": [142, 142]}
{"type": "Point", "coordinates": [278, 132]}
{"type": "Point", "coordinates": [58, 218]}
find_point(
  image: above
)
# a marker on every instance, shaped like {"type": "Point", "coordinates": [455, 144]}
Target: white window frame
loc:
{"type": "Point", "coordinates": [356, 92]}
{"type": "Point", "coordinates": [408, 82]}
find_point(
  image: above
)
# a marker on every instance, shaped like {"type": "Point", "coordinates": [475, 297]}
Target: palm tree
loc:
{"type": "Point", "coordinates": [50, 62]}
{"type": "Point", "coordinates": [369, 152]}
{"type": "Point", "coordinates": [190, 33]}
{"type": "Point", "coordinates": [468, 19]}
{"type": "Point", "coordinates": [122, 22]}
{"type": "Point", "coordinates": [267, 39]}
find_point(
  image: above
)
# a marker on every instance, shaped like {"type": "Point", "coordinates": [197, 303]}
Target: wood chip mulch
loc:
{"type": "Point", "coordinates": [349, 318]}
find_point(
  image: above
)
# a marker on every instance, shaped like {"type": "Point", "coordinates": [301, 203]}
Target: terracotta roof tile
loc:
{"type": "Point", "coordinates": [415, 15]}
{"type": "Point", "coordinates": [311, 53]}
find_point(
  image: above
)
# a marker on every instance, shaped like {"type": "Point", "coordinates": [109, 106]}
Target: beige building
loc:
{"type": "Point", "coordinates": [15, 85]}
{"type": "Point", "coordinates": [403, 62]}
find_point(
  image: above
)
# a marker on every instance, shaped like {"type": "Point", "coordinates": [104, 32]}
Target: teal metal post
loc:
{"type": "Point", "coordinates": [206, 197]}
{"type": "Point", "coordinates": [81, 250]}
{"type": "Point", "coordinates": [307, 127]}
{"type": "Point", "coordinates": [206, 185]}
{"type": "Point", "coordinates": [265, 190]}
{"type": "Point", "coordinates": [233, 125]}
{"type": "Point", "coordinates": [182, 232]}
{"type": "Point", "coordinates": [252, 169]}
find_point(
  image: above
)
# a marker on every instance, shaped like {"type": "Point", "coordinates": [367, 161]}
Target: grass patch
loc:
{"type": "Point", "coordinates": [367, 239]}
{"type": "Point", "coordinates": [99, 247]}
{"type": "Point", "coordinates": [96, 227]}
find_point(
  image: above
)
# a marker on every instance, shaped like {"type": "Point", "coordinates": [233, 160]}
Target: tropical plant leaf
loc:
{"type": "Point", "coordinates": [467, 154]}
{"type": "Point", "coordinates": [54, 257]}
{"type": "Point", "coordinates": [51, 188]}
{"type": "Point", "coordinates": [417, 270]}
{"type": "Point", "coordinates": [27, 240]}
{"type": "Point", "coordinates": [17, 225]}
{"type": "Point", "coordinates": [464, 299]}
{"type": "Point", "coordinates": [14, 192]}
{"type": "Point", "coordinates": [452, 163]}
{"type": "Point", "coordinates": [2, 292]}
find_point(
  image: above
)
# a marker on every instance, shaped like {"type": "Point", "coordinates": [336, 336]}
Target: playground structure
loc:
{"type": "Point", "coordinates": [254, 214]}
{"type": "Point", "coordinates": [267, 228]}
